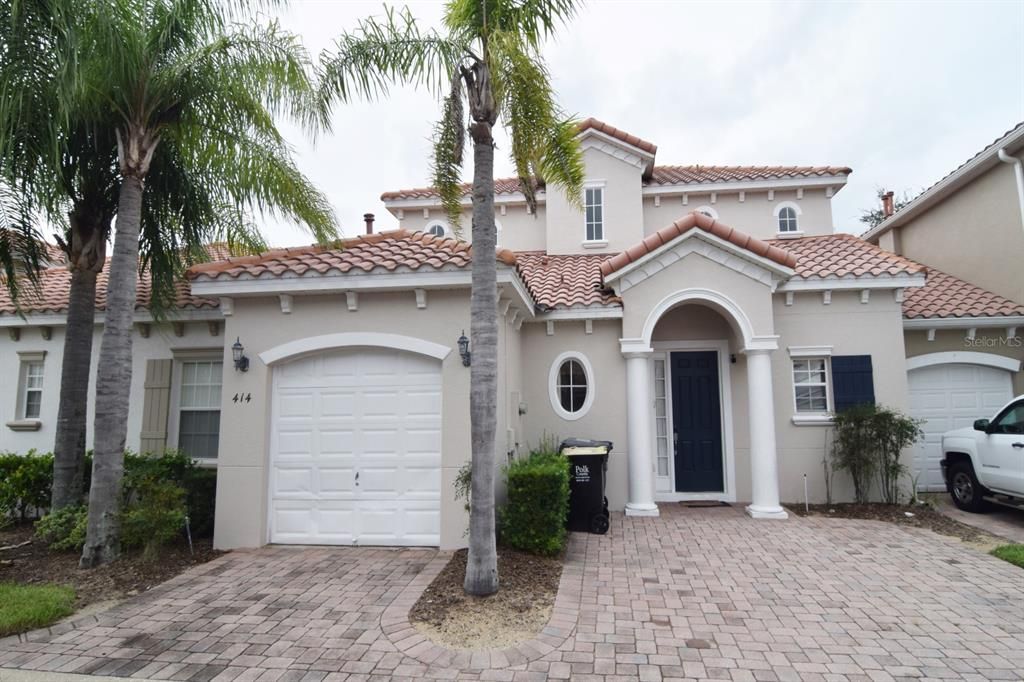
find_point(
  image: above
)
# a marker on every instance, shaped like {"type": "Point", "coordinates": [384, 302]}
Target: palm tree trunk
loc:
{"type": "Point", "coordinates": [482, 563]}
{"type": "Point", "coordinates": [113, 381]}
{"type": "Point", "coordinates": [69, 444]}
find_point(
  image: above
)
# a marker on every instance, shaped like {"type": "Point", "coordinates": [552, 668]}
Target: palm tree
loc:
{"type": "Point", "coordinates": [65, 171]}
{"type": "Point", "coordinates": [489, 58]}
{"type": "Point", "coordinates": [187, 94]}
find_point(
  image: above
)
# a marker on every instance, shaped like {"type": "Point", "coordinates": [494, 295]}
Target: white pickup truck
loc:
{"type": "Point", "coordinates": [986, 460]}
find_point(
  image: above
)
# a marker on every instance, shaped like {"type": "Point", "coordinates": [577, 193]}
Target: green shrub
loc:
{"type": "Point", "coordinates": [27, 607]}
{"type": "Point", "coordinates": [25, 483]}
{"type": "Point", "coordinates": [153, 515]}
{"type": "Point", "coordinates": [538, 503]}
{"type": "Point", "coordinates": [869, 440]}
{"type": "Point", "coordinates": [65, 529]}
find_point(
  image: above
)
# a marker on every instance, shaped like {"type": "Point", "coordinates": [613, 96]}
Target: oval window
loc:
{"type": "Point", "coordinates": [572, 389]}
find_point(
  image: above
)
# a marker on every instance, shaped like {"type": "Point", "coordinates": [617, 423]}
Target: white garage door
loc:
{"type": "Point", "coordinates": [949, 397]}
{"type": "Point", "coordinates": [356, 449]}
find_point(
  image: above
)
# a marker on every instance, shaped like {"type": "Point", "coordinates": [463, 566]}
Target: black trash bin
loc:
{"type": "Point", "coordinates": [588, 474]}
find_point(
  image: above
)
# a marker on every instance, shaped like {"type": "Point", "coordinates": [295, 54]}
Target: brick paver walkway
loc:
{"type": "Point", "coordinates": [694, 594]}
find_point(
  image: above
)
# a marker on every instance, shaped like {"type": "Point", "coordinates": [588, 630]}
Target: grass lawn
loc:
{"type": "Point", "coordinates": [27, 607]}
{"type": "Point", "coordinates": [1012, 553]}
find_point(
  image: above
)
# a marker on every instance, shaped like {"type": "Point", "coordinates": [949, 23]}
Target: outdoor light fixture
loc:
{"type": "Point", "coordinates": [241, 362]}
{"type": "Point", "coordinates": [464, 349]}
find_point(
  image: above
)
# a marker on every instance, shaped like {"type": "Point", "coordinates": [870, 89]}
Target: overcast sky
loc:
{"type": "Point", "coordinates": [902, 92]}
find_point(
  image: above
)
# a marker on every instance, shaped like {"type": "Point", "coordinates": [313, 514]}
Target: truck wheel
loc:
{"type": "Point", "coordinates": [964, 487]}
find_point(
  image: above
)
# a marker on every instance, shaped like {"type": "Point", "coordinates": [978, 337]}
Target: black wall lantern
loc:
{"type": "Point", "coordinates": [464, 349]}
{"type": "Point", "coordinates": [241, 362]}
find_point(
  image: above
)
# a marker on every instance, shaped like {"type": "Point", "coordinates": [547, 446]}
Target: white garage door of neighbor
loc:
{"type": "Point", "coordinates": [355, 455]}
{"type": "Point", "coordinates": [949, 397]}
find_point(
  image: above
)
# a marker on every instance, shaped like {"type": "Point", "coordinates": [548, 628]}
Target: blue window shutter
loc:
{"type": "Point", "coordinates": [852, 381]}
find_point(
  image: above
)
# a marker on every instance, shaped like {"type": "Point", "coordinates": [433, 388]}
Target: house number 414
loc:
{"type": "Point", "coordinates": [242, 398]}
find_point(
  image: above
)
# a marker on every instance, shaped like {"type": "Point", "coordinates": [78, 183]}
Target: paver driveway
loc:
{"type": "Point", "coordinates": [696, 593]}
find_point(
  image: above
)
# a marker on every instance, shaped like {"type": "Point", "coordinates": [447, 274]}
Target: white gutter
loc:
{"type": "Point", "coordinates": [1018, 171]}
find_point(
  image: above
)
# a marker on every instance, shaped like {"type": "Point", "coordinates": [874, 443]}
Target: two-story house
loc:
{"type": "Point", "coordinates": [706, 319]}
{"type": "Point", "coordinates": [964, 358]}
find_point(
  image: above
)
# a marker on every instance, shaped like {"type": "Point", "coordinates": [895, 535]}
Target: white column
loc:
{"type": "Point", "coordinates": [639, 407]}
{"type": "Point", "coordinates": [764, 465]}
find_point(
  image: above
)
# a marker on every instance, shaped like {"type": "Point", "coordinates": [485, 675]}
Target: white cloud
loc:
{"type": "Point", "coordinates": [901, 92]}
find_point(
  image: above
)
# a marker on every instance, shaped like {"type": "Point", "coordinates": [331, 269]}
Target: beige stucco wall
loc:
{"type": "Point", "coordinates": [851, 328]}
{"type": "Point", "coordinates": [242, 481]}
{"type": "Point", "coordinates": [992, 341]}
{"type": "Point", "coordinates": [606, 419]}
{"type": "Point", "coordinates": [755, 215]}
{"type": "Point", "coordinates": [159, 346]}
{"type": "Point", "coordinates": [623, 209]}
{"type": "Point", "coordinates": [518, 230]}
{"type": "Point", "coordinates": [976, 234]}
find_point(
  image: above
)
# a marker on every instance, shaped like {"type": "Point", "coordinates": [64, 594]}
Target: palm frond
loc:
{"type": "Point", "coordinates": [532, 20]}
{"type": "Point", "coordinates": [449, 144]}
{"type": "Point", "coordinates": [383, 52]}
{"type": "Point", "coordinates": [544, 145]}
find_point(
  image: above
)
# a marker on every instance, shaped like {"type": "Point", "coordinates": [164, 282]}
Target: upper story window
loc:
{"type": "Point", "coordinates": [787, 214]}
{"type": "Point", "coordinates": [438, 229]}
{"type": "Point", "coordinates": [593, 206]}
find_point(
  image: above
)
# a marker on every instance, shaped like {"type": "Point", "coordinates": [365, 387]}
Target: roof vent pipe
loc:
{"type": "Point", "coordinates": [887, 207]}
{"type": "Point", "coordinates": [368, 217]}
{"type": "Point", "coordinates": [1018, 170]}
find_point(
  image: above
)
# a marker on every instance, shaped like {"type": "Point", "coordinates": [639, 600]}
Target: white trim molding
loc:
{"type": "Point", "coordinates": [314, 344]}
{"type": "Point", "coordinates": [964, 322]}
{"type": "Point", "coordinates": [964, 357]}
{"type": "Point", "coordinates": [588, 371]}
{"type": "Point", "coordinates": [787, 204]}
{"type": "Point", "coordinates": [844, 283]}
{"type": "Point", "coordinates": [718, 300]}
{"type": "Point", "coordinates": [769, 185]}
{"type": "Point", "coordinates": [809, 351]}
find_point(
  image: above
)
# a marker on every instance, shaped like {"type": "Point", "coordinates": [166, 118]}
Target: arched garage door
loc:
{"type": "Point", "coordinates": [951, 396]}
{"type": "Point", "coordinates": [355, 454]}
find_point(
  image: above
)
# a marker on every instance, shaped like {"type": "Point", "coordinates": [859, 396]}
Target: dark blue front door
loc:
{"type": "Point", "coordinates": [697, 421]}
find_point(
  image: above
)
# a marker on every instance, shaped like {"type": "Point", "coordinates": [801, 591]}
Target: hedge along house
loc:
{"type": "Point", "coordinates": [712, 357]}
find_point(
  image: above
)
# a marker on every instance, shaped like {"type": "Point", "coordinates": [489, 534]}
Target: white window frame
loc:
{"type": "Point", "coordinates": [807, 353]}
{"type": "Point", "coordinates": [708, 211]}
{"type": "Point", "coordinates": [26, 359]}
{"type": "Point", "coordinates": [553, 393]}
{"type": "Point", "coordinates": [174, 412]}
{"type": "Point", "coordinates": [437, 223]}
{"type": "Point", "coordinates": [602, 239]}
{"type": "Point", "coordinates": [779, 207]}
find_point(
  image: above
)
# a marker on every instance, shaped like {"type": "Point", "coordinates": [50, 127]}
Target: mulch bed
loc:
{"type": "Point", "coordinates": [35, 564]}
{"type": "Point", "coordinates": [923, 516]}
{"type": "Point", "coordinates": [522, 606]}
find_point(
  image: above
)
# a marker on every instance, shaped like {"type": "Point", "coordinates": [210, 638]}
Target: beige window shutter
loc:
{"type": "Point", "coordinates": [156, 405]}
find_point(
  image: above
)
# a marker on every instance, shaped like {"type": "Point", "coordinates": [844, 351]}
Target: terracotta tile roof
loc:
{"type": "Point", "coordinates": [661, 176]}
{"type": "Point", "coordinates": [703, 222]}
{"type": "Point", "coordinates": [947, 296]}
{"type": "Point", "coordinates": [843, 255]}
{"type": "Point", "coordinates": [679, 175]}
{"type": "Point", "coordinates": [365, 253]}
{"type": "Point", "coordinates": [501, 186]}
{"type": "Point", "coordinates": [621, 135]}
{"type": "Point", "coordinates": [564, 281]}
{"type": "Point", "coordinates": [55, 283]}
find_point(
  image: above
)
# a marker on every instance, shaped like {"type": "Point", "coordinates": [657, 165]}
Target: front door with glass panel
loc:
{"type": "Point", "coordinates": [696, 422]}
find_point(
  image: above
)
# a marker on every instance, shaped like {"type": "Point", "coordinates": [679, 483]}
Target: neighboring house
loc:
{"type": "Point", "coordinates": [711, 356]}
{"type": "Point", "coordinates": [964, 351]}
